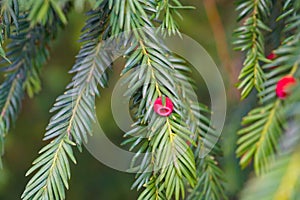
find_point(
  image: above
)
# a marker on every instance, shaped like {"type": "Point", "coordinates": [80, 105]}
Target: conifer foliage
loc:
{"type": "Point", "coordinates": [268, 139]}
{"type": "Point", "coordinates": [169, 146]}
{"type": "Point", "coordinates": [170, 130]}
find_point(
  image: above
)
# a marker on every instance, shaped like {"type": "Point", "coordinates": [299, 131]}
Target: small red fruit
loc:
{"type": "Point", "coordinates": [163, 110]}
{"type": "Point", "coordinates": [283, 86]}
{"type": "Point", "coordinates": [271, 56]}
{"type": "Point", "coordinates": [188, 143]}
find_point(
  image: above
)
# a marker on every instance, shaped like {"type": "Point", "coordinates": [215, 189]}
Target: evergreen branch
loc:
{"type": "Point", "coordinates": [196, 113]}
{"type": "Point", "coordinates": [74, 113]}
{"type": "Point", "coordinates": [210, 181]}
{"type": "Point", "coordinates": [264, 125]}
{"type": "Point", "coordinates": [166, 138]}
{"type": "Point", "coordinates": [40, 11]}
{"type": "Point", "coordinates": [259, 137]}
{"type": "Point", "coordinates": [50, 179]}
{"type": "Point", "coordinates": [48, 182]}
{"type": "Point", "coordinates": [129, 15]}
{"type": "Point", "coordinates": [172, 163]}
{"type": "Point", "coordinates": [250, 38]}
{"type": "Point", "coordinates": [197, 124]}
{"type": "Point", "coordinates": [282, 182]}
{"type": "Point", "coordinates": [11, 93]}
{"type": "Point", "coordinates": [290, 16]}
{"type": "Point", "coordinates": [170, 154]}
{"type": "Point", "coordinates": [10, 100]}
{"type": "Point", "coordinates": [169, 9]}
{"type": "Point", "coordinates": [153, 190]}
{"type": "Point", "coordinates": [287, 53]}
{"type": "Point", "coordinates": [177, 152]}
{"type": "Point", "coordinates": [27, 52]}
{"type": "Point", "coordinates": [9, 15]}
{"type": "Point", "coordinates": [210, 178]}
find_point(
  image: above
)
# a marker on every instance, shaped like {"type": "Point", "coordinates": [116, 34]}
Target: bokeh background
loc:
{"type": "Point", "coordinates": [211, 23]}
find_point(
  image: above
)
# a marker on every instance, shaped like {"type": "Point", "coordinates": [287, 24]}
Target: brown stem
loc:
{"type": "Point", "coordinates": [221, 43]}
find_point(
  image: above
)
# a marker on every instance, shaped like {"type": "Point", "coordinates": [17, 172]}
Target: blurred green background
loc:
{"type": "Point", "coordinates": [91, 179]}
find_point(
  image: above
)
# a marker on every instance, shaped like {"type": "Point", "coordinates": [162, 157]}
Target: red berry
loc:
{"type": "Point", "coordinates": [188, 143]}
{"type": "Point", "coordinates": [163, 110]}
{"type": "Point", "coordinates": [271, 56]}
{"type": "Point", "coordinates": [283, 86]}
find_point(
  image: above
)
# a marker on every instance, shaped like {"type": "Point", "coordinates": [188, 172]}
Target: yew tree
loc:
{"type": "Point", "coordinates": [170, 130]}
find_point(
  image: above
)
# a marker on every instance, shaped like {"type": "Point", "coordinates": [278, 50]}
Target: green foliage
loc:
{"type": "Point", "coordinates": [259, 138]}
{"type": "Point", "coordinates": [80, 4]}
{"type": "Point", "coordinates": [210, 177]}
{"type": "Point", "coordinates": [169, 9]}
{"type": "Point", "coordinates": [49, 182]}
{"type": "Point", "coordinates": [9, 15]}
{"type": "Point", "coordinates": [27, 54]}
{"type": "Point", "coordinates": [74, 114]}
{"type": "Point", "coordinates": [168, 163]}
{"type": "Point", "coordinates": [282, 180]}
{"type": "Point", "coordinates": [175, 157]}
{"type": "Point", "coordinates": [171, 162]}
{"type": "Point", "coordinates": [270, 136]}
{"type": "Point", "coordinates": [173, 150]}
{"type": "Point", "coordinates": [42, 11]}
{"type": "Point", "coordinates": [210, 183]}
{"type": "Point", "coordinates": [249, 38]}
